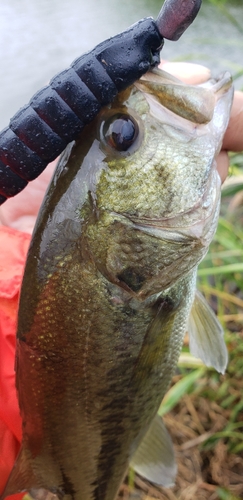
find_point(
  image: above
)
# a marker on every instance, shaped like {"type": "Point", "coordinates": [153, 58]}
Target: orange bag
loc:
{"type": "Point", "coordinates": [13, 249]}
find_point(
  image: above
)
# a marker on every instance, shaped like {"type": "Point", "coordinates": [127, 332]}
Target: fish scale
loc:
{"type": "Point", "coordinates": [108, 291]}
{"type": "Point", "coordinates": [109, 386]}
{"type": "Point", "coordinates": [156, 161]}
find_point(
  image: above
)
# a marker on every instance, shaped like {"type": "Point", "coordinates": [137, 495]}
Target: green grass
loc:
{"type": "Point", "coordinates": [220, 278]}
{"type": "Point", "coordinates": [224, 494]}
{"type": "Point", "coordinates": [223, 7]}
{"type": "Point", "coordinates": [224, 3]}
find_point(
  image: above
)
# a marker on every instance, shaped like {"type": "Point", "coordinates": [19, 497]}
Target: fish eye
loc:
{"type": "Point", "coordinates": [120, 131]}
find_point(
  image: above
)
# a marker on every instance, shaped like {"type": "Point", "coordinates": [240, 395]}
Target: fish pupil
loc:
{"type": "Point", "coordinates": [121, 132]}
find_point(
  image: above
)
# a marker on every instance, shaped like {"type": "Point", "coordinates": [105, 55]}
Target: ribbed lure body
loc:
{"type": "Point", "coordinates": [56, 114]}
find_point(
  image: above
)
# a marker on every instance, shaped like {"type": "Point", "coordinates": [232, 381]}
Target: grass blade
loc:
{"type": "Point", "coordinates": [178, 390]}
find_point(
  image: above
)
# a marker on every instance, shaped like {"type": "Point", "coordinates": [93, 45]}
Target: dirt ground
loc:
{"type": "Point", "coordinates": [207, 470]}
{"type": "Point", "coordinates": [200, 471]}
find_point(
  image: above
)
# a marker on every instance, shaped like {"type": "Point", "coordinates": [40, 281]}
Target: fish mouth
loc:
{"type": "Point", "coordinates": [193, 103]}
{"type": "Point", "coordinates": [200, 110]}
{"type": "Point", "coordinates": [194, 224]}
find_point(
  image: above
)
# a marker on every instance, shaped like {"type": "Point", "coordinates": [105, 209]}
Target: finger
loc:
{"type": "Point", "coordinates": [223, 165]}
{"type": "Point", "coordinates": [233, 139]}
{"type": "Point", "coordinates": [187, 72]}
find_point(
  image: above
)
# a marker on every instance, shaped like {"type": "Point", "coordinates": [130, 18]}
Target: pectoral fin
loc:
{"type": "Point", "coordinates": [154, 459]}
{"type": "Point", "coordinates": [206, 336]}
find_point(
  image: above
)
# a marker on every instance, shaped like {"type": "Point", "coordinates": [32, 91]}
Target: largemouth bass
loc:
{"type": "Point", "coordinates": [110, 288]}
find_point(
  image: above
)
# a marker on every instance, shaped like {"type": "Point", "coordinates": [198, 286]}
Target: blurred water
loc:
{"type": "Point", "coordinates": [39, 38]}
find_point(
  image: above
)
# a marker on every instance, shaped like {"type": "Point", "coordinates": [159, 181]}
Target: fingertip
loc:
{"type": "Point", "coordinates": [222, 161]}
{"type": "Point", "coordinates": [233, 139]}
{"type": "Point", "coordinates": [187, 72]}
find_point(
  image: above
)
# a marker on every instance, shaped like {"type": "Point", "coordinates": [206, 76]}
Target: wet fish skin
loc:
{"type": "Point", "coordinates": [108, 288]}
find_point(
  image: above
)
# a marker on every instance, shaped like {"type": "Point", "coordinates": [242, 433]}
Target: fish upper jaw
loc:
{"type": "Point", "coordinates": [196, 104]}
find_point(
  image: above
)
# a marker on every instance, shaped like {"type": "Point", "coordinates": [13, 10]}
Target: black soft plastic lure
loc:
{"type": "Point", "coordinates": [56, 114]}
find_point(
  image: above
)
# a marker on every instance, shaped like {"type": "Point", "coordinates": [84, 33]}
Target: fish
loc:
{"type": "Point", "coordinates": [109, 289]}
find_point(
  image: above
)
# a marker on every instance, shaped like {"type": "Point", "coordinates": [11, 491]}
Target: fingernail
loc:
{"type": "Point", "coordinates": [188, 72]}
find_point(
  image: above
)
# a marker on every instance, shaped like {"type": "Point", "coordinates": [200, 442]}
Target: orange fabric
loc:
{"type": "Point", "coordinates": [13, 250]}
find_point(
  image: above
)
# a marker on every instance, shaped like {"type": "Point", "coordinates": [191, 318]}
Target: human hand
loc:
{"type": "Point", "coordinates": [21, 211]}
